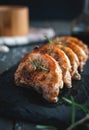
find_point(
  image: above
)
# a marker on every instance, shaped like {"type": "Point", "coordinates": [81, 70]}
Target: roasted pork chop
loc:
{"type": "Point", "coordinates": [41, 72]}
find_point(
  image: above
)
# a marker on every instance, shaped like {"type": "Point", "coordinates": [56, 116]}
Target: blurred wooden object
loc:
{"type": "Point", "coordinates": [14, 21]}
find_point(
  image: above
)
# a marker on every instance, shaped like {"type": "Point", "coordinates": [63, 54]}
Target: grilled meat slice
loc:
{"type": "Point", "coordinates": [41, 72]}
{"type": "Point", "coordinates": [78, 42]}
{"type": "Point", "coordinates": [77, 49]}
{"type": "Point", "coordinates": [73, 60]}
{"type": "Point", "coordinates": [62, 60]}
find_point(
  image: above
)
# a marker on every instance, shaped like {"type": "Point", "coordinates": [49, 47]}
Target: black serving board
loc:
{"type": "Point", "coordinates": [24, 103]}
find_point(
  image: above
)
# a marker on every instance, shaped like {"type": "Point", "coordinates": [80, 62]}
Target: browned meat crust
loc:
{"type": "Point", "coordinates": [41, 72]}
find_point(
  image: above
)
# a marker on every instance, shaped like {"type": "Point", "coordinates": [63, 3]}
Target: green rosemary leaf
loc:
{"type": "Point", "coordinates": [73, 111]}
{"type": "Point", "coordinates": [38, 62]}
{"type": "Point", "coordinates": [50, 40]}
{"type": "Point", "coordinates": [83, 108]}
{"type": "Point", "coordinates": [34, 66]}
{"type": "Point", "coordinates": [46, 127]}
{"type": "Point", "coordinates": [51, 45]}
{"type": "Point", "coordinates": [44, 68]}
{"type": "Point", "coordinates": [37, 65]}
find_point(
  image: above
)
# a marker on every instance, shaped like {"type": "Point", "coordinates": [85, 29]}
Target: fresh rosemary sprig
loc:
{"type": "Point", "coordinates": [81, 107]}
{"type": "Point", "coordinates": [33, 64]}
{"type": "Point", "coordinates": [37, 65]}
{"type": "Point", "coordinates": [46, 127]}
{"type": "Point", "coordinates": [40, 66]}
{"type": "Point", "coordinates": [73, 111]}
{"type": "Point", "coordinates": [74, 124]}
{"type": "Point", "coordinates": [51, 45]}
{"type": "Point", "coordinates": [44, 68]}
{"type": "Point", "coordinates": [49, 39]}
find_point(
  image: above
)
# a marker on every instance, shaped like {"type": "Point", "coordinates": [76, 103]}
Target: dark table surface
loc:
{"type": "Point", "coordinates": [7, 60]}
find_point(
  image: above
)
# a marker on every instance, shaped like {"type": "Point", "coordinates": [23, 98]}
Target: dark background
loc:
{"type": "Point", "coordinates": [50, 9]}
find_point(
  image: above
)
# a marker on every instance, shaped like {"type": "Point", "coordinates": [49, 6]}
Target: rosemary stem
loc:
{"type": "Point", "coordinates": [73, 111]}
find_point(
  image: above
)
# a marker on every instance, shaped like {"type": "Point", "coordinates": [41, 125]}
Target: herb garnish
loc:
{"type": "Point", "coordinates": [51, 44]}
{"type": "Point", "coordinates": [74, 124]}
{"type": "Point", "coordinates": [46, 127]}
{"type": "Point", "coordinates": [33, 64]}
{"type": "Point", "coordinates": [37, 65]}
{"type": "Point", "coordinates": [81, 107]}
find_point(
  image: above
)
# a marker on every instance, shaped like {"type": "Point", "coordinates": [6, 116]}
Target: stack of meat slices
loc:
{"type": "Point", "coordinates": [49, 67]}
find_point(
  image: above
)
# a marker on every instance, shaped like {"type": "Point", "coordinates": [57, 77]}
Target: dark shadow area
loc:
{"type": "Point", "coordinates": [50, 9]}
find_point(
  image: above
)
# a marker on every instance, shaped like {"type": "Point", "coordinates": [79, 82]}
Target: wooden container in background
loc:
{"type": "Point", "coordinates": [14, 21]}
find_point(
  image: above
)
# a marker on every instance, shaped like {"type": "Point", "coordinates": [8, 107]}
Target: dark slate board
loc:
{"type": "Point", "coordinates": [26, 104]}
